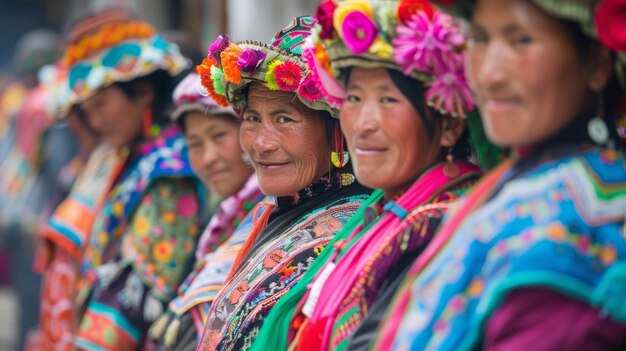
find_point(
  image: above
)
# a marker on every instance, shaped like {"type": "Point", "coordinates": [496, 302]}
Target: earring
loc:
{"type": "Point", "coordinates": [450, 170]}
{"type": "Point", "coordinates": [246, 159]}
{"type": "Point", "coordinates": [339, 158]}
{"type": "Point", "coordinates": [596, 127]}
{"type": "Point", "coordinates": [149, 130]}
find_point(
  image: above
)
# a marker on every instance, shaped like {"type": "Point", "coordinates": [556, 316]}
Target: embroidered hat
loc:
{"type": "Point", "coordinates": [114, 46]}
{"type": "Point", "coordinates": [230, 67]}
{"type": "Point", "coordinates": [601, 20]}
{"type": "Point", "coordinates": [409, 36]}
{"type": "Point", "coordinates": [190, 95]}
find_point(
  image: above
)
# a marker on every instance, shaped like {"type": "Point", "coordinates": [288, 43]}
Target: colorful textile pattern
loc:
{"type": "Point", "coordinates": [215, 255]}
{"type": "Point", "coordinates": [56, 321]}
{"type": "Point", "coordinates": [406, 226]}
{"type": "Point", "coordinates": [165, 156]}
{"type": "Point", "coordinates": [112, 46]}
{"type": "Point", "coordinates": [274, 265]}
{"type": "Point", "coordinates": [70, 225]}
{"type": "Point", "coordinates": [407, 35]}
{"type": "Point", "coordinates": [129, 293]}
{"type": "Point", "coordinates": [559, 226]}
{"type": "Point", "coordinates": [141, 246]}
{"type": "Point", "coordinates": [65, 237]}
{"type": "Point", "coordinates": [230, 67]}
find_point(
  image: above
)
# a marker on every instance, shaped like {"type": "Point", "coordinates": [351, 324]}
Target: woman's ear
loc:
{"type": "Point", "coordinates": [144, 93]}
{"type": "Point", "coordinates": [601, 68]}
{"type": "Point", "coordinates": [453, 127]}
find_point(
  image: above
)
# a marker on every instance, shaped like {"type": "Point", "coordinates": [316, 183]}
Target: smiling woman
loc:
{"type": "Point", "coordinates": [142, 238]}
{"type": "Point", "coordinates": [406, 138]}
{"type": "Point", "coordinates": [212, 133]}
{"type": "Point", "coordinates": [286, 141]}
{"type": "Point", "coordinates": [288, 131]}
{"type": "Point", "coordinates": [533, 257]}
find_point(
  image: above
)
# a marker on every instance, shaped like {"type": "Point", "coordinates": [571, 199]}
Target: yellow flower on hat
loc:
{"type": "Point", "coordinates": [346, 8]}
{"type": "Point", "coordinates": [381, 48]}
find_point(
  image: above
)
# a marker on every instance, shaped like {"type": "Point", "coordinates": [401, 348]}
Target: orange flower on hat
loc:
{"type": "Point", "coordinates": [229, 58]}
{"type": "Point", "coordinates": [204, 71]}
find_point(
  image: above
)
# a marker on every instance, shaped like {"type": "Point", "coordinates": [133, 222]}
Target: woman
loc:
{"type": "Point", "coordinates": [535, 256]}
{"type": "Point", "coordinates": [212, 134]}
{"type": "Point", "coordinates": [287, 131]}
{"type": "Point", "coordinates": [63, 238]}
{"type": "Point", "coordinates": [406, 138]}
{"type": "Point", "coordinates": [146, 229]}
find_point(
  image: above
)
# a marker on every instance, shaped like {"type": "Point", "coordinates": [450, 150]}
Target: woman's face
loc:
{"type": "Point", "coordinates": [215, 153]}
{"type": "Point", "coordinates": [285, 140]}
{"type": "Point", "coordinates": [388, 142]}
{"type": "Point", "coordinates": [529, 80]}
{"type": "Point", "coordinates": [118, 118]}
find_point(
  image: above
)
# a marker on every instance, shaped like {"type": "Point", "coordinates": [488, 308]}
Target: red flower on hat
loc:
{"type": "Point", "coordinates": [324, 16]}
{"type": "Point", "coordinates": [408, 8]}
{"type": "Point", "coordinates": [611, 24]}
{"type": "Point", "coordinates": [288, 76]}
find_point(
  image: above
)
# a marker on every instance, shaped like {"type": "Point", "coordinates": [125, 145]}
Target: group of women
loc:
{"type": "Point", "coordinates": [391, 174]}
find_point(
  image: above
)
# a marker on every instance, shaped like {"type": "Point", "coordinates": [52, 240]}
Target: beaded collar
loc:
{"type": "Point", "coordinates": [334, 181]}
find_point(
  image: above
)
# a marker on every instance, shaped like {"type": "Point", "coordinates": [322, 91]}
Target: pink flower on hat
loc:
{"type": "Point", "coordinates": [250, 60]}
{"type": "Point", "coordinates": [423, 44]}
{"type": "Point", "coordinates": [359, 32]}
{"type": "Point", "coordinates": [611, 24]}
{"type": "Point", "coordinates": [324, 15]}
{"type": "Point", "coordinates": [450, 91]}
{"type": "Point", "coordinates": [218, 45]}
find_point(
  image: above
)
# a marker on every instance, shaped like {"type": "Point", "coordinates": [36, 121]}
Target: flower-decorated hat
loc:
{"type": "Point", "coordinates": [230, 67]}
{"type": "Point", "coordinates": [190, 95]}
{"type": "Point", "coordinates": [410, 36]}
{"type": "Point", "coordinates": [114, 46]}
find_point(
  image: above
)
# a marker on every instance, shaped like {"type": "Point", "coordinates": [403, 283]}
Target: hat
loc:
{"type": "Point", "coordinates": [409, 36]}
{"type": "Point", "coordinates": [190, 95]}
{"type": "Point", "coordinates": [113, 46]}
{"type": "Point", "coordinates": [230, 67]}
{"type": "Point", "coordinates": [601, 20]}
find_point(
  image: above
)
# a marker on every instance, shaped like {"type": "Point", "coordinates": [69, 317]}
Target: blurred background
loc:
{"type": "Point", "coordinates": [31, 34]}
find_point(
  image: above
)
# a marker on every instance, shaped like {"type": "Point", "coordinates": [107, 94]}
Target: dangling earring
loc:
{"type": "Point", "coordinates": [147, 122]}
{"type": "Point", "coordinates": [596, 128]}
{"type": "Point", "coordinates": [339, 158]}
{"type": "Point", "coordinates": [450, 170]}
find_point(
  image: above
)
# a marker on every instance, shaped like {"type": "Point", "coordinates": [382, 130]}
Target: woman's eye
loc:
{"type": "Point", "coordinates": [352, 98]}
{"type": "Point", "coordinates": [250, 118]}
{"type": "Point", "coordinates": [388, 99]}
{"type": "Point", "coordinates": [284, 119]}
{"type": "Point", "coordinates": [522, 40]}
{"type": "Point", "coordinates": [194, 145]}
{"type": "Point", "coordinates": [476, 38]}
{"type": "Point", "coordinates": [218, 136]}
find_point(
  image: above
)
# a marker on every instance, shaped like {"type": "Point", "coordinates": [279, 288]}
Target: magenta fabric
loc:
{"type": "Point", "coordinates": [532, 319]}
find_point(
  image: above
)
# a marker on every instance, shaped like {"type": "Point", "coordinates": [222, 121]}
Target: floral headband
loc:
{"type": "Point", "coordinates": [409, 36]}
{"type": "Point", "coordinates": [230, 67]}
